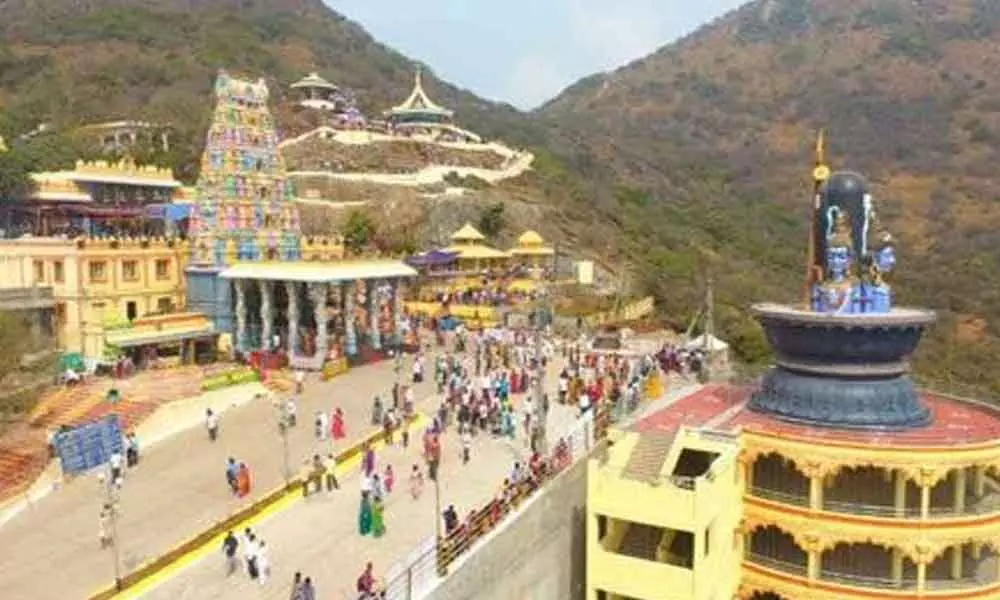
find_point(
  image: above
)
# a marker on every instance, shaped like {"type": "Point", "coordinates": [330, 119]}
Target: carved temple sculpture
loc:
{"type": "Point", "coordinates": [841, 361]}
{"type": "Point", "coordinates": [848, 275]}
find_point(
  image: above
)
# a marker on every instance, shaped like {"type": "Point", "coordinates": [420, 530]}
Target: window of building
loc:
{"type": "Point", "coordinates": [131, 310]}
{"type": "Point", "coordinates": [163, 268]}
{"type": "Point", "coordinates": [130, 270]}
{"type": "Point", "coordinates": [39, 268]}
{"type": "Point", "coordinates": [98, 270]}
{"type": "Point", "coordinates": [164, 305]}
{"type": "Point", "coordinates": [57, 271]}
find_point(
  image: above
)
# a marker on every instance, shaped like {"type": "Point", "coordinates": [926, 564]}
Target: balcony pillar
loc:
{"type": "Point", "coordinates": [812, 565]}
{"type": "Point", "coordinates": [956, 562]}
{"type": "Point", "coordinates": [899, 493]}
{"type": "Point", "coordinates": [979, 481]}
{"type": "Point", "coordinates": [925, 501]}
{"type": "Point", "coordinates": [977, 551]}
{"type": "Point", "coordinates": [959, 482]}
{"type": "Point", "coordinates": [816, 492]}
{"type": "Point", "coordinates": [921, 577]}
{"type": "Point", "coordinates": [897, 566]}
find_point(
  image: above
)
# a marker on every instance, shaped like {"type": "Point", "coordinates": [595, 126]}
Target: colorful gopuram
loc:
{"type": "Point", "coordinates": [833, 478]}
{"type": "Point", "coordinates": [247, 269]}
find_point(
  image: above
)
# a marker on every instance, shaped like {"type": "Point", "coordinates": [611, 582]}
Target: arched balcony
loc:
{"type": "Point", "coordinates": [766, 596]}
{"type": "Point", "coordinates": [778, 478]}
{"type": "Point", "coordinates": [874, 566]}
{"type": "Point", "coordinates": [772, 547]}
{"type": "Point", "coordinates": [875, 491]}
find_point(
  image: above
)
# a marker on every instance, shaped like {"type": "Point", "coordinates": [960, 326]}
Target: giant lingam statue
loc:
{"type": "Point", "coordinates": [841, 360]}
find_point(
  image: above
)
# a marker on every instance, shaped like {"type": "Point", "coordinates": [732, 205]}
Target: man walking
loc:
{"type": "Point", "coordinates": [229, 547]}
{"type": "Point", "coordinates": [211, 424]}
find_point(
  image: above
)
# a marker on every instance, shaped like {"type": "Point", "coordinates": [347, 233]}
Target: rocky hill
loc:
{"type": "Point", "coordinates": [84, 61]}
{"type": "Point", "coordinates": [718, 130]}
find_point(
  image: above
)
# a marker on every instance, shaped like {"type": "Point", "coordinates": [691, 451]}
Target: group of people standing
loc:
{"type": "Point", "coordinates": [255, 555]}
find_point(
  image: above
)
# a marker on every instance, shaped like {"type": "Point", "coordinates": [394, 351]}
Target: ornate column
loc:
{"type": "Point", "coordinates": [899, 493]}
{"type": "Point", "coordinates": [396, 311]}
{"type": "Point", "coordinates": [317, 294]}
{"type": "Point", "coordinates": [979, 481]}
{"type": "Point", "coordinates": [350, 334]}
{"type": "Point", "coordinates": [960, 481]}
{"type": "Point", "coordinates": [241, 314]}
{"type": "Point", "coordinates": [372, 297]}
{"type": "Point", "coordinates": [291, 288]}
{"type": "Point", "coordinates": [897, 565]}
{"type": "Point", "coordinates": [266, 315]}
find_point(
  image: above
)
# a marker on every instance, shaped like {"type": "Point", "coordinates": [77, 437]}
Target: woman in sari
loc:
{"type": "Point", "coordinates": [368, 461]}
{"type": "Point", "coordinates": [337, 430]}
{"type": "Point", "coordinates": [365, 517]}
{"type": "Point", "coordinates": [378, 518]}
{"type": "Point", "coordinates": [243, 480]}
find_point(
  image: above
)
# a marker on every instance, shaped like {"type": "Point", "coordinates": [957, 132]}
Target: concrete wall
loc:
{"type": "Point", "coordinates": [538, 555]}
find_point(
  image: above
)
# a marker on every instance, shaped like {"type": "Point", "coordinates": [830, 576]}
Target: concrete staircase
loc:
{"type": "Point", "coordinates": [641, 541]}
{"type": "Point", "coordinates": [647, 458]}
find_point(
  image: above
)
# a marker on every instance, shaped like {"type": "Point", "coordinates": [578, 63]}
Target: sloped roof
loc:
{"type": "Point", "coordinates": [418, 101]}
{"type": "Point", "coordinates": [315, 81]}
{"type": "Point", "coordinates": [468, 233]}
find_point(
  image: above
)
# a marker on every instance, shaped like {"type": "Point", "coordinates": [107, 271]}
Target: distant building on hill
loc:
{"type": "Point", "coordinates": [420, 116]}
{"type": "Point", "coordinates": [125, 136]}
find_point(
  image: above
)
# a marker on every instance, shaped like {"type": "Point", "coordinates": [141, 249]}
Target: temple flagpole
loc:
{"type": "Point", "coordinates": [821, 172]}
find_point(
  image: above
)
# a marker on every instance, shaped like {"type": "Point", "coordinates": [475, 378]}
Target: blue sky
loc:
{"type": "Point", "coordinates": [526, 51]}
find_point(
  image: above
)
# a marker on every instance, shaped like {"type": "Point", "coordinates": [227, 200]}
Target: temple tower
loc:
{"type": "Point", "coordinates": [245, 208]}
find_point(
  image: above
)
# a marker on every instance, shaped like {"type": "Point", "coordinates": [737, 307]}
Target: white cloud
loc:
{"type": "Point", "coordinates": [533, 79]}
{"type": "Point", "coordinates": [610, 34]}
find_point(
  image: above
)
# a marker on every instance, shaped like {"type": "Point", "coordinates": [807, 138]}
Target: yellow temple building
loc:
{"type": "Point", "coordinates": [96, 193]}
{"type": "Point", "coordinates": [832, 478]}
{"type": "Point", "coordinates": [472, 252]}
{"type": "Point", "coordinates": [97, 283]}
{"type": "Point", "coordinates": [531, 251]}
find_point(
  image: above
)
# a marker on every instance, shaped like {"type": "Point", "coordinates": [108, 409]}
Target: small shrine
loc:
{"type": "Point", "coordinates": [317, 93]}
{"type": "Point", "coordinates": [471, 251]}
{"type": "Point", "coordinates": [418, 108]}
{"type": "Point", "coordinates": [531, 251]}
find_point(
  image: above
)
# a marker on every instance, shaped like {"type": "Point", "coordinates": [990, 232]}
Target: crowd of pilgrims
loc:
{"type": "Point", "coordinates": [477, 378]}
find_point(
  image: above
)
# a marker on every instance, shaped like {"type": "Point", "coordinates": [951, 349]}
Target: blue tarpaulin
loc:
{"type": "Point", "coordinates": [87, 446]}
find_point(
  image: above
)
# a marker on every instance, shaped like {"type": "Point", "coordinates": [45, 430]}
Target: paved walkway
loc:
{"type": "Point", "coordinates": [179, 489]}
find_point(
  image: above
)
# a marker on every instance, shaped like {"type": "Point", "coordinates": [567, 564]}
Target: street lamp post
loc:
{"type": "Point", "coordinates": [283, 432]}
{"type": "Point", "coordinates": [111, 502]}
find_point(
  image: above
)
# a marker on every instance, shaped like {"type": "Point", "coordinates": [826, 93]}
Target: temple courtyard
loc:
{"type": "Point", "coordinates": [179, 490]}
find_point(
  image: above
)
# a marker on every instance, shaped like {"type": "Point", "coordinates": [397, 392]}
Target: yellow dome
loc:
{"type": "Point", "coordinates": [530, 238]}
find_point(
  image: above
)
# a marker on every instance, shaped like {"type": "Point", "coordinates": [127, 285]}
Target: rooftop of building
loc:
{"type": "Point", "coordinates": [418, 102]}
{"type": "Point", "coordinates": [954, 421]}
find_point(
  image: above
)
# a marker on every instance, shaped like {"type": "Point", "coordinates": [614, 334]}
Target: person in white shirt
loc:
{"type": "Point", "coordinates": [584, 403]}
{"type": "Point", "coordinates": [115, 461]}
{"type": "Point", "coordinates": [291, 411]}
{"type": "Point", "coordinates": [367, 486]}
{"type": "Point", "coordinates": [263, 563]}
{"type": "Point", "coordinates": [211, 424]}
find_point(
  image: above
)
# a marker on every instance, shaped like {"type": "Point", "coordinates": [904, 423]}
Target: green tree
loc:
{"type": "Point", "coordinates": [13, 333]}
{"type": "Point", "coordinates": [15, 180]}
{"type": "Point", "coordinates": [492, 219]}
{"type": "Point", "coordinates": [359, 230]}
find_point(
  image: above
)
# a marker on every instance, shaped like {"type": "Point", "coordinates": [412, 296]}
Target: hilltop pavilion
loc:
{"type": "Point", "coordinates": [418, 114]}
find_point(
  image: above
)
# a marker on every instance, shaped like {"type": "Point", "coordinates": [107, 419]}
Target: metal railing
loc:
{"type": "Point", "coordinates": [426, 565]}
{"type": "Point", "coordinates": [865, 581]}
{"type": "Point", "coordinates": [972, 509]}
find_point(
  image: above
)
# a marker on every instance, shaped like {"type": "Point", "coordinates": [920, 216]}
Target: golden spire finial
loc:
{"type": "Point", "coordinates": [821, 172]}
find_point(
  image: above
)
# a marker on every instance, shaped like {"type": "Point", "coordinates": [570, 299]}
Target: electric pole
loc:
{"type": "Point", "coordinates": [708, 338]}
{"type": "Point", "coordinates": [544, 309]}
